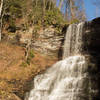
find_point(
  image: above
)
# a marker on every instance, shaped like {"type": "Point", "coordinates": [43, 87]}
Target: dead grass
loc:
{"type": "Point", "coordinates": [15, 78]}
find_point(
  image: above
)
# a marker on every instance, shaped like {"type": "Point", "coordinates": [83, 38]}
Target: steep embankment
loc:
{"type": "Point", "coordinates": [15, 74]}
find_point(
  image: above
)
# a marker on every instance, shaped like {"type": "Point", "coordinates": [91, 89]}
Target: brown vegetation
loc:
{"type": "Point", "coordinates": [15, 74]}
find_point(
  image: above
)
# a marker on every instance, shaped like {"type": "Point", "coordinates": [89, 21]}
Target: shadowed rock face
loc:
{"type": "Point", "coordinates": [73, 78]}
{"type": "Point", "coordinates": [92, 37]}
{"type": "Point", "coordinates": [92, 45]}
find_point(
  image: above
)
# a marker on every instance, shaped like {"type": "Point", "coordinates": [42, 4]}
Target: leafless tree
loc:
{"type": "Point", "coordinates": [74, 9]}
{"type": "Point", "coordinates": [1, 9]}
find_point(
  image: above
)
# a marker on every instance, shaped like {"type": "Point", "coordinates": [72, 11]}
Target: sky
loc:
{"type": "Point", "coordinates": [91, 10]}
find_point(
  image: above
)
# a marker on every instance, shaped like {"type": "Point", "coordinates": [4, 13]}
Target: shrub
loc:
{"type": "Point", "coordinates": [28, 61]}
{"type": "Point", "coordinates": [30, 56]}
{"type": "Point", "coordinates": [23, 64]}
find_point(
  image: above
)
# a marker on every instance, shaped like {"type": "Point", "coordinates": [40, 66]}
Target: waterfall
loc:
{"type": "Point", "coordinates": [73, 40]}
{"type": "Point", "coordinates": [68, 79]}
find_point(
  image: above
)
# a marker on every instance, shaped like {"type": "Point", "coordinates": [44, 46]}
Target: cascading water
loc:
{"type": "Point", "coordinates": [73, 41]}
{"type": "Point", "coordinates": [68, 79]}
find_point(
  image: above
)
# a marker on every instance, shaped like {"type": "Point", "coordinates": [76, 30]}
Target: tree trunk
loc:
{"type": "Point", "coordinates": [1, 8]}
{"type": "Point", "coordinates": [72, 10]}
{"type": "Point", "coordinates": [60, 4]}
{"type": "Point", "coordinates": [27, 49]}
{"type": "Point", "coordinates": [50, 3]}
{"type": "Point", "coordinates": [43, 8]}
{"type": "Point", "coordinates": [36, 2]}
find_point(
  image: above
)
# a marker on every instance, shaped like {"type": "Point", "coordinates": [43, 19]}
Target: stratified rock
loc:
{"type": "Point", "coordinates": [48, 42]}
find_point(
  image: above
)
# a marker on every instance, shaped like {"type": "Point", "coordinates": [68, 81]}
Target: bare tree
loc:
{"type": "Point", "coordinates": [74, 9]}
{"type": "Point", "coordinates": [43, 7]}
{"type": "Point", "coordinates": [1, 9]}
{"type": "Point", "coordinates": [60, 4]}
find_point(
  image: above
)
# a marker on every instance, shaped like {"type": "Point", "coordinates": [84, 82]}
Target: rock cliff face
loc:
{"type": "Point", "coordinates": [51, 43]}
{"type": "Point", "coordinates": [48, 42]}
{"type": "Point", "coordinates": [91, 38]}
{"type": "Point", "coordinates": [92, 45]}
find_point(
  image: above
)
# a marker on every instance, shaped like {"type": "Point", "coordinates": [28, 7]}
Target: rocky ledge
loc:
{"type": "Point", "coordinates": [48, 42]}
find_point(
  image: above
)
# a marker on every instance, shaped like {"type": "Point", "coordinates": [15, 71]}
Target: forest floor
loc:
{"type": "Point", "coordinates": [15, 75]}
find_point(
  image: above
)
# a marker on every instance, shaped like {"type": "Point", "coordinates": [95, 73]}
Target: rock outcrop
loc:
{"type": "Point", "coordinates": [92, 37]}
{"type": "Point", "coordinates": [48, 42]}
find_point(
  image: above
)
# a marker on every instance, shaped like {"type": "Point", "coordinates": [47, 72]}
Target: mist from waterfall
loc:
{"type": "Point", "coordinates": [68, 79]}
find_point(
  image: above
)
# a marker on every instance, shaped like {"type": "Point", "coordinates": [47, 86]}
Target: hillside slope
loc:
{"type": "Point", "coordinates": [15, 73]}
